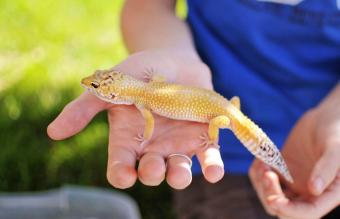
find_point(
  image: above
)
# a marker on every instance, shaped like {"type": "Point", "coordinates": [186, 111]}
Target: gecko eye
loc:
{"type": "Point", "coordinates": [95, 84]}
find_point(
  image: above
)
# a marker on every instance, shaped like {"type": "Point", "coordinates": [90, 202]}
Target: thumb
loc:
{"type": "Point", "coordinates": [75, 116]}
{"type": "Point", "coordinates": [325, 170]}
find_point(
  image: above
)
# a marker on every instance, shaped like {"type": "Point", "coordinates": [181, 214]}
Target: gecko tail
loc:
{"type": "Point", "coordinates": [270, 154]}
{"type": "Point", "coordinates": [282, 168]}
{"type": "Point", "coordinates": [260, 145]}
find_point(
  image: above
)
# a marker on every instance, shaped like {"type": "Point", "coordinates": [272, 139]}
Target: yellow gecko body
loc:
{"type": "Point", "coordinates": [186, 103]}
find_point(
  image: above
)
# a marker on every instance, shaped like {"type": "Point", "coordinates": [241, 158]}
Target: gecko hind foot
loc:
{"type": "Point", "coordinates": [140, 138]}
{"type": "Point", "coordinates": [207, 142]}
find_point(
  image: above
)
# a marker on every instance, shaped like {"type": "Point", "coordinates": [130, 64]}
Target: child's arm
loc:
{"type": "Point", "coordinates": [152, 25]}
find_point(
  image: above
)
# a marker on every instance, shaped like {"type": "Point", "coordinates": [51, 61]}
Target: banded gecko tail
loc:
{"type": "Point", "coordinates": [259, 144]}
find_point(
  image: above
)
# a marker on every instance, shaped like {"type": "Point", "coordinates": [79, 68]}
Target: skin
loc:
{"type": "Point", "coordinates": [155, 96]}
{"type": "Point", "coordinates": [170, 51]}
{"type": "Point", "coordinates": [316, 190]}
{"type": "Point", "coordinates": [126, 121]}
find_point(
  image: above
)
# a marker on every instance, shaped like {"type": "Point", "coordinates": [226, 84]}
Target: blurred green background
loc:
{"type": "Point", "coordinates": [46, 47]}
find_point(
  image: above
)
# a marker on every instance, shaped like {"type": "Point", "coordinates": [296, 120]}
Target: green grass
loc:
{"type": "Point", "coordinates": [46, 47]}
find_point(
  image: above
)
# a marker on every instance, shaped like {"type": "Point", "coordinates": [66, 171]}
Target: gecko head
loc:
{"type": "Point", "coordinates": [105, 84]}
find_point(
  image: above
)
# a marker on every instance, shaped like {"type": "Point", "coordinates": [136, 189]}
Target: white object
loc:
{"type": "Point", "coordinates": [289, 2]}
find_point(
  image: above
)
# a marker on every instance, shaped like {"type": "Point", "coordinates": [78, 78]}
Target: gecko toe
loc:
{"type": "Point", "coordinates": [148, 74]}
{"type": "Point", "coordinates": [139, 137]}
{"type": "Point", "coordinates": [207, 143]}
{"type": "Point", "coordinates": [142, 141]}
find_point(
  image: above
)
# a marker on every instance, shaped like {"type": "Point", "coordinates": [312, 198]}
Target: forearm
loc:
{"type": "Point", "coordinates": [328, 112]}
{"type": "Point", "coordinates": [332, 100]}
{"type": "Point", "coordinates": [152, 24]}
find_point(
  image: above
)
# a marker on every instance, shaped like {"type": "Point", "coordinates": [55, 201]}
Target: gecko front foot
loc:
{"type": "Point", "coordinates": [207, 142]}
{"type": "Point", "coordinates": [150, 75]}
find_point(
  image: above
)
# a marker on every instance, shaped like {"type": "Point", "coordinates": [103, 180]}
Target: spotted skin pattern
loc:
{"type": "Point", "coordinates": [154, 95]}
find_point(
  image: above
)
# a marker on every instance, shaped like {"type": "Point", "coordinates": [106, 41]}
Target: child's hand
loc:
{"type": "Point", "coordinates": [312, 152]}
{"type": "Point", "coordinates": [169, 137]}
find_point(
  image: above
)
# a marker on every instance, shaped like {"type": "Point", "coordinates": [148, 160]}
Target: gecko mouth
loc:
{"type": "Point", "coordinates": [92, 90]}
{"type": "Point", "coordinates": [108, 98]}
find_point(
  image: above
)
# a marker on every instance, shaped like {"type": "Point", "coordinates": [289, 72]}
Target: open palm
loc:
{"type": "Point", "coordinates": [126, 122]}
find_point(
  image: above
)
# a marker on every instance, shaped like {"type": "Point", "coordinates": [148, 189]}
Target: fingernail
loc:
{"type": "Point", "coordinates": [318, 185]}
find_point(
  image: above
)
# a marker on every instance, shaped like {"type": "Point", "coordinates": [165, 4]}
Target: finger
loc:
{"type": "Point", "coordinates": [272, 189]}
{"type": "Point", "coordinates": [75, 116]}
{"type": "Point", "coordinates": [121, 171]}
{"type": "Point", "coordinates": [297, 209]}
{"type": "Point", "coordinates": [178, 172]}
{"type": "Point", "coordinates": [315, 207]}
{"type": "Point", "coordinates": [151, 169]}
{"type": "Point", "coordinates": [211, 164]}
{"type": "Point", "coordinates": [325, 170]}
{"type": "Point", "coordinates": [256, 174]}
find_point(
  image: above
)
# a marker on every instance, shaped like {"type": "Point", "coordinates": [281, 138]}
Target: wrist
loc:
{"type": "Point", "coordinates": [195, 74]}
{"type": "Point", "coordinates": [181, 66]}
{"type": "Point", "coordinates": [189, 68]}
{"type": "Point", "coordinates": [332, 100]}
{"type": "Point", "coordinates": [327, 124]}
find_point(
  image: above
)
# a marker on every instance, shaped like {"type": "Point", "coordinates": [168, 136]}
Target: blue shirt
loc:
{"type": "Point", "coordinates": [280, 60]}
